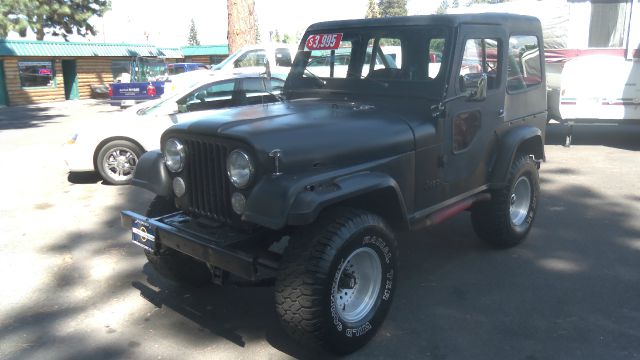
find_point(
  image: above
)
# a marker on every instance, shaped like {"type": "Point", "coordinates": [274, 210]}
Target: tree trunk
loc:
{"type": "Point", "coordinates": [242, 24]}
{"type": "Point", "coordinates": [40, 33]}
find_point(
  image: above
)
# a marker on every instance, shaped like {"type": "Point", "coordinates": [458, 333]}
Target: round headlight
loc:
{"type": "Point", "coordinates": [174, 155]}
{"type": "Point", "coordinates": [239, 168]}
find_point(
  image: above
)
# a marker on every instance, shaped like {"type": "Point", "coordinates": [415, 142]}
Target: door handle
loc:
{"type": "Point", "coordinates": [501, 113]}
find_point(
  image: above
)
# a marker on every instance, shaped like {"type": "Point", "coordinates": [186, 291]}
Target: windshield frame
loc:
{"type": "Point", "coordinates": [357, 83]}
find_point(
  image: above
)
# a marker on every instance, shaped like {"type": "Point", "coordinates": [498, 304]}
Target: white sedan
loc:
{"type": "Point", "coordinates": [112, 145]}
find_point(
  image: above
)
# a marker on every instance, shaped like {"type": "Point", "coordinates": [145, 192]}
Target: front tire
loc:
{"type": "Point", "coordinates": [117, 161]}
{"type": "Point", "coordinates": [337, 280]}
{"type": "Point", "coordinates": [172, 264]}
{"type": "Point", "coordinates": [507, 218]}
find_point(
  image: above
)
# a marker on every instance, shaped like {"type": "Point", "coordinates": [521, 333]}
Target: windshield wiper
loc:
{"type": "Point", "coordinates": [277, 96]}
{"type": "Point", "coordinates": [316, 77]}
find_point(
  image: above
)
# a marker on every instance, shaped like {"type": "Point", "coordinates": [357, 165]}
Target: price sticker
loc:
{"type": "Point", "coordinates": [324, 41]}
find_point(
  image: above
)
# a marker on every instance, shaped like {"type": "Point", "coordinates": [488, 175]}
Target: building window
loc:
{"type": "Point", "coordinates": [216, 59]}
{"type": "Point", "coordinates": [36, 74]}
{"type": "Point", "coordinates": [121, 70]}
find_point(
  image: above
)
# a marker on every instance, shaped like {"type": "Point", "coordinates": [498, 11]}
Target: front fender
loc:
{"type": "Point", "coordinates": [528, 137]}
{"type": "Point", "coordinates": [152, 175]}
{"type": "Point", "coordinates": [298, 201]}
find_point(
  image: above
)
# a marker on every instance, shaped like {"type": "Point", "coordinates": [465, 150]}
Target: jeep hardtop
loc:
{"type": "Point", "coordinates": [387, 125]}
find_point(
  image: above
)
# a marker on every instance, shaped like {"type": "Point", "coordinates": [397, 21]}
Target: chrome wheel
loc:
{"type": "Point", "coordinates": [120, 163]}
{"type": "Point", "coordinates": [520, 201]}
{"type": "Point", "coordinates": [357, 284]}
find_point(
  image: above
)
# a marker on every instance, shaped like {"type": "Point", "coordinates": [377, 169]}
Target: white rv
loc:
{"type": "Point", "coordinates": [592, 51]}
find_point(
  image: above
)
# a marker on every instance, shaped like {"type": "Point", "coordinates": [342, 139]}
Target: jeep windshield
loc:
{"type": "Point", "coordinates": [388, 61]}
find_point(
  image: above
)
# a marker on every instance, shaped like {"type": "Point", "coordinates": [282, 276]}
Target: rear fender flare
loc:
{"type": "Point", "coordinates": [527, 139]}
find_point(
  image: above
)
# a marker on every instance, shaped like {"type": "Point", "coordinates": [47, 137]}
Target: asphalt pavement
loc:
{"type": "Point", "coordinates": [72, 286]}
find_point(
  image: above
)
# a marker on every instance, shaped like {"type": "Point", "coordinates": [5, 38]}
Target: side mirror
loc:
{"type": "Point", "coordinates": [172, 107]}
{"type": "Point", "coordinates": [267, 68]}
{"type": "Point", "coordinates": [475, 86]}
{"type": "Point", "coordinates": [201, 96]}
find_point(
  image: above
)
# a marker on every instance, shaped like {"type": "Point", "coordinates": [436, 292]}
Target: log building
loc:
{"type": "Point", "coordinates": [43, 71]}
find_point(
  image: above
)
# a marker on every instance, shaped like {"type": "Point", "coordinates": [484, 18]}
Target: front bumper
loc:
{"type": "Point", "coordinates": [237, 252]}
{"type": "Point", "coordinates": [78, 157]}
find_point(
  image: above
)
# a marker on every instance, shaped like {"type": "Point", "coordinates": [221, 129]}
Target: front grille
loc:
{"type": "Point", "coordinates": [209, 190]}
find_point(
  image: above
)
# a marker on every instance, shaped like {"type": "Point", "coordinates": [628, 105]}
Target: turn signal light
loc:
{"type": "Point", "coordinates": [151, 90]}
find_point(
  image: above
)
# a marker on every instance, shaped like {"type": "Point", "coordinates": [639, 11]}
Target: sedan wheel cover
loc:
{"type": "Point", "coordinates": [120, 163]}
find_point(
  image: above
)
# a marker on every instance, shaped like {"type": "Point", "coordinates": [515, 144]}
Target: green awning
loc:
{"type": "Point", "coordinates": [205, 50]}
{"type": "Point", "coordinates": [78, 49]}
{"type": "Point", "coordinates": [74, 49]}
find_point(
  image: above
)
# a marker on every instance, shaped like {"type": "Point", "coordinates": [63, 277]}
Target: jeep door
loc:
{"type": "Point", "coordinates": [469, 125]}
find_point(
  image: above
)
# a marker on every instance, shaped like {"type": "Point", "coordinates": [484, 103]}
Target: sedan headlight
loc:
{"type": "Point", "coordinates": [239, 168]}
{"type": "Point", "coordinates": [174, 155]}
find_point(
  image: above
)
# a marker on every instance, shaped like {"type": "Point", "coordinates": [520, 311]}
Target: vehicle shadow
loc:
{"type": "Point", "coordinates": [625, 136]}
{"type": "Point", "coordinates": [236, 312]}
{"type": "Point", "coordinates": [84, 177]}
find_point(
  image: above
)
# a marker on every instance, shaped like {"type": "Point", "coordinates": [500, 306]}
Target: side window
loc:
{"type": "Point", "coordinates": [283, 57]}
{"type": "Point", "coordinates": [253, 91]}
{"type": "Point", "coordinates": [251, 58]}
{"type": "Point", "coordinates": [214, 96]}
{"type": "Point", "coordinates": [524, 66]}
{"type": "Point", "coordinates": [253, 86]}
{"type": "Point", "coordinates": [481, 56]}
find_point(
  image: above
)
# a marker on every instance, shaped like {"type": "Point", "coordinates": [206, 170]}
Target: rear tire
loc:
{"type": "Point", "coordinates": [337, 280]}
{"type": "Point", "coordinates": [507, 218]}
{"type": "Point", "coordinates": [172, 264]}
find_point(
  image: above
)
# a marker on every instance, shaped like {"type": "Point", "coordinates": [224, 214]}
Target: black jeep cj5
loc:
{"type": "Point", "coordinates": [386, 125]}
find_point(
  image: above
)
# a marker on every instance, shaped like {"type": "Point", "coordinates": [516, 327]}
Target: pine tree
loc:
{"type": "Point", "coordinates": [50, 17]}
{"type": "Point", "coordinates": [372, 10]}
{"type": "Point", "coordinates": [193, 34]}
{"type": "Point", "coordinates": [442, 9]}
{"type": "Point", "coordinates": [393, 8]}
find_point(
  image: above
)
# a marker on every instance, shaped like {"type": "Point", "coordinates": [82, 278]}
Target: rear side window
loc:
{"type": "Point", "coordinates": [283, 57]}
{"type": "Point", "coordinates": [524, 63]}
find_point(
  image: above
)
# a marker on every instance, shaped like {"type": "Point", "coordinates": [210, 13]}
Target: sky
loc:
{"type": "Point", "coordinates": [166, 24]}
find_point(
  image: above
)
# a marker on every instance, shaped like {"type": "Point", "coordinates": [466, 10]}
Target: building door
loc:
{"type": "Point", "coordinates": [4, 98]}
{"type": "Point", "coordinates": [70, 78]}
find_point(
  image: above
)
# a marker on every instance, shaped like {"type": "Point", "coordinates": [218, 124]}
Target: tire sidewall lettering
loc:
{"type": "Point", "coordinates": [376, 242]}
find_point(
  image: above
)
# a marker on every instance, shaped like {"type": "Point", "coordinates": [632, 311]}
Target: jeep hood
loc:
{"type": "Point", "coordinates": [309, 133]}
